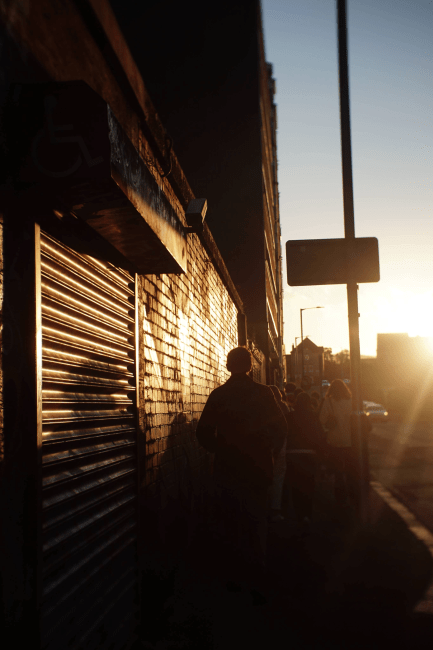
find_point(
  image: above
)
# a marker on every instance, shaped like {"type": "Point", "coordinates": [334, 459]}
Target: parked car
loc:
{"type": "Point", "coordinates": [376, 411]}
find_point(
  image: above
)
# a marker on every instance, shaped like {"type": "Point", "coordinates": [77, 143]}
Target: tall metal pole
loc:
{"type": "Point", "coordinates": [302, 349]}
{"type": "Point", "coordinates": [360, 441]}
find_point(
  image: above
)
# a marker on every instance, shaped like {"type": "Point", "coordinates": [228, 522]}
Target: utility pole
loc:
{"type": "Point", "coordinates": [302, 350]}
{"type": "Point", "coordinates": [352, 288]}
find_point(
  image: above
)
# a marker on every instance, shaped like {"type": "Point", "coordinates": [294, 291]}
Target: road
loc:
{"type": "Point", "coordinates": [401, 458]}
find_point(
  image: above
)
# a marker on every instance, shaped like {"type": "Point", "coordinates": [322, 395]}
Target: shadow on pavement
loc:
{"type": "Point", "coordinates": [340, 586]}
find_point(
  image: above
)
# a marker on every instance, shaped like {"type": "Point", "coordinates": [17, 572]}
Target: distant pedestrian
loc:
{"type": "Point", "coordinates": [315, 400]}
{"type": "Point", "coordinates": [304, 448]}
{"type": "Point", "coordinates": [290, 398]}
{"type": "Point", "coordinates": [289, 390]}
{"type": "Point", "coordinates": [335, 416]}
{"type": "Point", "coordinates": [243, 425]}
{"type": "Point", "coordinates": [286, 401]}
{"type": "Point", "coordinates": [276, 489]}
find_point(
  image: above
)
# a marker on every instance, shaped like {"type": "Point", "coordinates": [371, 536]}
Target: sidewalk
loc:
{"type": "Point", "coordinates": [342, 586]}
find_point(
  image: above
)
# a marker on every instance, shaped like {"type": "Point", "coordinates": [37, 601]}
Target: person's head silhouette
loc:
{"type": "Point", "coordinates": [239, 361]}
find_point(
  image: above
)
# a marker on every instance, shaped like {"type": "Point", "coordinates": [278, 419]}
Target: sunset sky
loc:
{"type": "Point", "coordinates": [391, 95]}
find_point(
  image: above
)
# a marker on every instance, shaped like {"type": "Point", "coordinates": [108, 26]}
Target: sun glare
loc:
{"type": "Point", "coordinates": [403, 311]}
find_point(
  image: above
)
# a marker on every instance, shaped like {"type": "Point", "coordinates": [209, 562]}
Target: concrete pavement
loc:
{"type": "Point", "coordinates": [342, 586]}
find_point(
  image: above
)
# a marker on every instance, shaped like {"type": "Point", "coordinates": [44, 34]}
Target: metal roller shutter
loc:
{"type": "Point", "coordinates": [89, 481]}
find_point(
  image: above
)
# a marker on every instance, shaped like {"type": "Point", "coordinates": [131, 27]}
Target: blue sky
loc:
{"type": "Point", "coordinates": [391, 95]}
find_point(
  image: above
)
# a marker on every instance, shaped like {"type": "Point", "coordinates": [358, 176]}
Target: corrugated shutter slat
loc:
{"type": "Point", "coordinates": [89, 511]}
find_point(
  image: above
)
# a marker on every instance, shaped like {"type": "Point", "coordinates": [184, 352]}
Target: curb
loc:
{"type": "Point", "coordinates": [417, 529]}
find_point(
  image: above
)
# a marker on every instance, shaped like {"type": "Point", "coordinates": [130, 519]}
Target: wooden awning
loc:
{"type": "Point", "coordinates": [76, 150]}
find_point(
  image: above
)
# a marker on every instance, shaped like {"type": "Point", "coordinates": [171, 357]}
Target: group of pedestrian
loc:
{"type": "Point", "coordinates": [319, 437]}
{"type": "Point", "coordinates": [265, 443]}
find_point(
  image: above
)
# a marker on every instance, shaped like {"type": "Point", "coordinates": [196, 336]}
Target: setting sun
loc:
{"type": "Point", "coordinates": [404, 311]}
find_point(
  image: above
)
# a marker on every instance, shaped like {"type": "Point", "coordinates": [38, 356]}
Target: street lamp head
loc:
{"type": "Point", "coordinates": [305, 308]}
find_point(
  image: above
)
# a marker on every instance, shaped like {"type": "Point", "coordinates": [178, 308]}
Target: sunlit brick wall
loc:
{"type": "Point", "coordinates": [1, 342]}
{"type": "Point", "coordinates": [188, 324]}
{"type": "Point", "coordinates": [258, 368]}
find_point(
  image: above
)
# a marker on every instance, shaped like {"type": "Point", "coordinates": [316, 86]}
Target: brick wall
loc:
{"type": "Point", "coordinates": [188, 324]}
{"type": "Point", "coordinates": [1, 344]}
{"type": "Point", "coordinates": [258, 369]}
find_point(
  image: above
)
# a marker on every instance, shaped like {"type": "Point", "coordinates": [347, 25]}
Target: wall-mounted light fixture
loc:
{"type": "Point", "coordinates": [195, 214]}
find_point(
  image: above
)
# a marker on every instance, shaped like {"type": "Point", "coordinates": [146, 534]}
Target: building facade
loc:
{"type": "Point", "coordinates": [219, 110]}
{"type": "Point", "coordinates": [311, 356]}
{"type": "Point", "coordinates": [403, 360]}
{"type": "Point", "coordinates": [117, 318]}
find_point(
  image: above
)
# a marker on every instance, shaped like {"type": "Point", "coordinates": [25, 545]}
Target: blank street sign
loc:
{"type": "Point", "coordinates": [332, 261]}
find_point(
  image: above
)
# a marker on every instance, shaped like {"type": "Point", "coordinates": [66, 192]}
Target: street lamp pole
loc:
{"type": "Point", "coordinates": [302, 350]}
{"type": "Point", "coordinates": [302, 338]}
{"type": "Point", "coordinates": [297, 351]}
{"type": "Point", "coordinates": [349, 234]}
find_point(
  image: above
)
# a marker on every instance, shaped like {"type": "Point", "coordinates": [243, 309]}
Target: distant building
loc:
{"type": "Point", "coordinates": [312, 356]}
{"type": "Point", "coordinates": [401, 359]}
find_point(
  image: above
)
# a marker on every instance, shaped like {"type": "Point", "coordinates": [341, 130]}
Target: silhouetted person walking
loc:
{"type": "Point", "coordinates": [335, 416]}
{"type": "Point", "coordinates": [289, 390]}
{"type": "Point", "coordinates": [245, 428]}
{"type": "Point", "coordinates": [276, 489]}
{"type": "Point", "coordinates": [304, 447]}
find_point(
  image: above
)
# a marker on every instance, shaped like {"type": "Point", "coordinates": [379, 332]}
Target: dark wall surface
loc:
{"type": "Point", "coordinates": [201, 69]}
